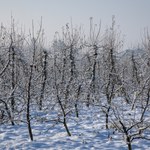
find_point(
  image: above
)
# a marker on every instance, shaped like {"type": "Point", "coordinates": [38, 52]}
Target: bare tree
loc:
{"type": "Point", "coordinates": [132, 124]}
{"type": "Point", "coordinates": [110, 78]}
{"type": "Point", "coordinates": [34, 41]}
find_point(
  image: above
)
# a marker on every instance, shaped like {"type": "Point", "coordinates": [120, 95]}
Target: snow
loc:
{"type": "Point", "coordinates": [88, 132]}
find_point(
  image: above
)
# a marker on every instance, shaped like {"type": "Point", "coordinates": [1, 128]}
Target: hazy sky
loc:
{"type": "Point", "coordinates": [131, 15]}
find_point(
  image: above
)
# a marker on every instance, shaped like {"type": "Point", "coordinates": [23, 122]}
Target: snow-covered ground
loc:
{"type": "Point", "coordinates": [88, 133]}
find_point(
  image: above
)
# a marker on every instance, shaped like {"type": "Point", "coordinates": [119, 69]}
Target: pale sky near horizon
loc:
{"type": "Point", "coordinates": [132, 16]}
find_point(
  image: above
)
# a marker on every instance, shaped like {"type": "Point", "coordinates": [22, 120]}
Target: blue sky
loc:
{"type": "Point", "coordinates": [132, 16]}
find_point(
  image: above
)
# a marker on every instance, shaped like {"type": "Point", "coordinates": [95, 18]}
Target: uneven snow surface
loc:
{"type": "Point", "coordinates": [88, 133]}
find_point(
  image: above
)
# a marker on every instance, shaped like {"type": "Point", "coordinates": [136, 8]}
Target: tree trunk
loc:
{"type": "Point", "coordinates": [76, 103]}
{"type": "Point", "coordinates": [28, 104]}
{"type": "Point", "coordinates": [107, 117]}
{"type": "Point", "coordinates": [66, 127]}
{"type": "Point", "coordinates": [129, 143]}
{"type": "Point", "coordinates": [44, 80]}
{"type": "Point", "coordinates": [76, 109]}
